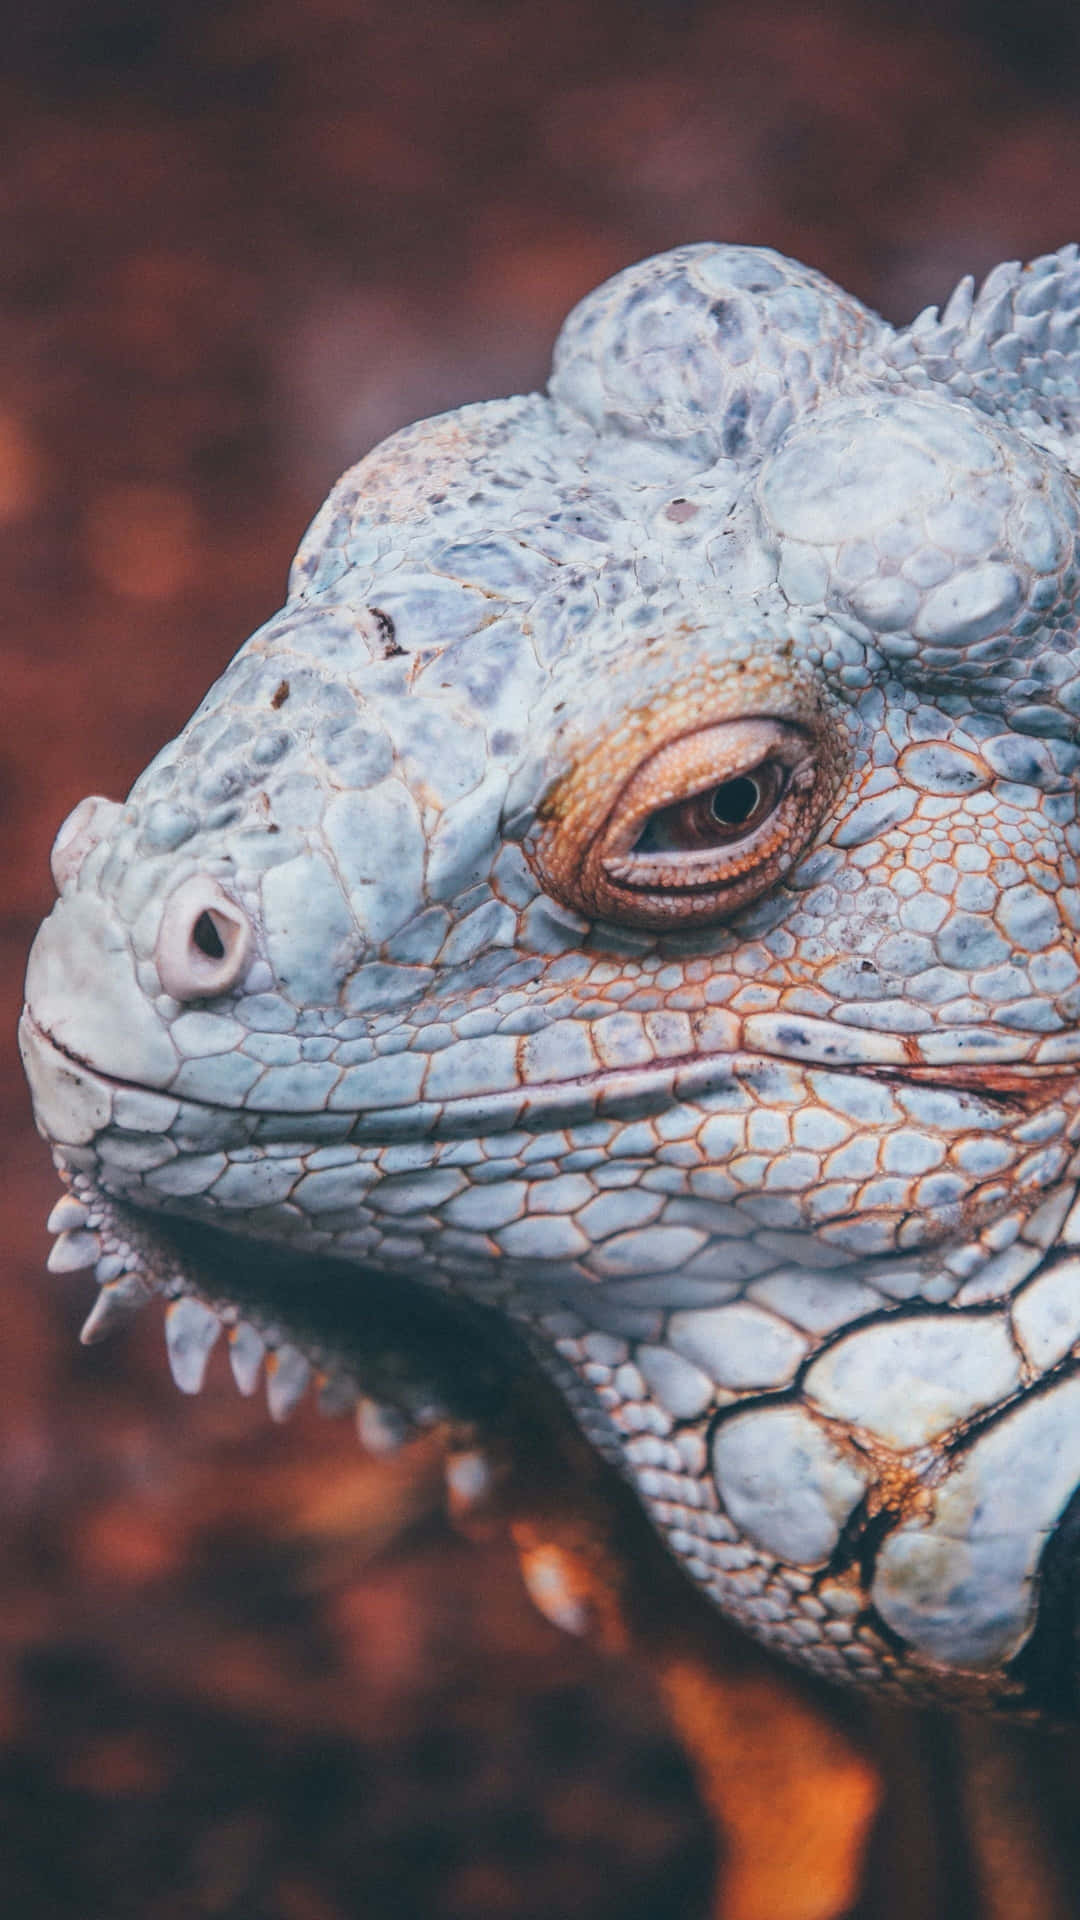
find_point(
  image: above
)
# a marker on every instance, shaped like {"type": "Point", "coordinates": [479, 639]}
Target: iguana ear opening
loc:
{"type": "Point", "coordinates": [1012, 349]}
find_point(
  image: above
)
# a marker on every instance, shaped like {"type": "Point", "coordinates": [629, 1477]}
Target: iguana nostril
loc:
{"type": "Point", "coordinates": [204, 941]}
{"type": "Point", "coordinates": [207, 938]}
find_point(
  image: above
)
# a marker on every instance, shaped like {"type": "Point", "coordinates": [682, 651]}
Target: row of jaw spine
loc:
{"type": "Point", "coordinates": [91, 1233]}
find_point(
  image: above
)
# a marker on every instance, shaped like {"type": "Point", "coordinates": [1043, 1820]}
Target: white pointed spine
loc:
{"type": "Point", "coordinates": [67, 1215]}
{"type": "Point", "coordinates": [247, 1349]}
{"type": "Point", "coordinates": [926, 322]}
{"type": "Point", "coordinates": [191, 1333]}
{"type": "Point", "coordinates": [549, 1582]}
{"type": "Point", "coordinates": [70, 1252]}
{"type": "Point", "coordinates": [957, 311]}
{"type": "Point", "coordinates": [117, 1303]}
{"type": "Point", "coordinates": [469, 1479]}
{"type": "Point", "coordinates": [287, 1376]}
{"type": "Point", "coordinates": [1012, 345]}
{"type": "Point", "coordinates": [380, 1429]}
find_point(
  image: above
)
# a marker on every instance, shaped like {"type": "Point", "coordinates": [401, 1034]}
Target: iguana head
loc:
{"type": "Point", "coordinates": [633, 883]}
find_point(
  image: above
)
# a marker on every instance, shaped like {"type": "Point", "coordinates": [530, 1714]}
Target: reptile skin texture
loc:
{"type": "Point", "coordinates": [632, 884]}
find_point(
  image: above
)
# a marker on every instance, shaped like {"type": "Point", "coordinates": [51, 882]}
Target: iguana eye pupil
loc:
{"type": "Point", "coordinates": [207, 938]}
{"type": "Point", "coordinates": [732, 804]}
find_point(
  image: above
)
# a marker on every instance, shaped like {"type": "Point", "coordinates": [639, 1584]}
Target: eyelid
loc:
{"type": "Point", "coordinates": [718, 863]}
{"type": "Point", "coordinates": [583, 846]}
{"type": "Point", "coordinates": [706, 758]}
{"type": "Point", "coordinates": [714, 867]}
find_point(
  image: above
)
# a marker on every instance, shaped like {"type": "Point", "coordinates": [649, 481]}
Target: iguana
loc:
{"type": "Point", "coordinates": [631, 887]}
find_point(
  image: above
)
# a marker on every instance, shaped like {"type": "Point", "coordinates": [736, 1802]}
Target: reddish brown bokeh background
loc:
{"type": "Point", "coordinates": [243, 1672]}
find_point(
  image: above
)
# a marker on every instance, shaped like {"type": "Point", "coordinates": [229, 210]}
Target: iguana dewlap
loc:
{"type": "Point", "coordinates": [633, 883]}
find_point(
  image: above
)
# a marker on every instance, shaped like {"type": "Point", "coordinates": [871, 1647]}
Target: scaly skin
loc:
{"type": "Point", "coordinates": [633, 884]}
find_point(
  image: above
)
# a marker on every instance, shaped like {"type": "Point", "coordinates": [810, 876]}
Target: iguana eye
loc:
{"type": "Point", "coordinates": [705, 824]}
{"type": "Point", "coordinates": [719, 817]}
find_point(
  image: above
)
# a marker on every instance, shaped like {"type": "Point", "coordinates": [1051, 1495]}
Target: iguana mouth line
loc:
{"type": "Point", "coordinates": [1021, 1088]}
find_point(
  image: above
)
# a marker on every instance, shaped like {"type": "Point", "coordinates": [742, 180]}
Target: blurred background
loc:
{"type": "Point", "coordinates": [244, 1672]}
